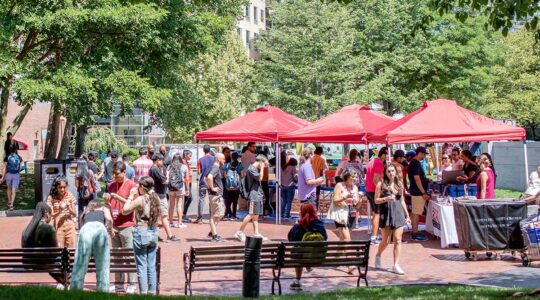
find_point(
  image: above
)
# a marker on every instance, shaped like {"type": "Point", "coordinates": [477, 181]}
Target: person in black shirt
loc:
{"type": "Point", "coordinates": [418, 188]}
{"type": "Point", "coordinates": [167, 160]}
{"type": "Point", "coordinates": [215, 190]}
{"type": "Point", "coordinates": [159, 174]}
{"type": "Point", "coordinates": [469, 168]}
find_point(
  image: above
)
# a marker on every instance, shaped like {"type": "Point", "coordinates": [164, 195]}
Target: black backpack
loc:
{"type": "Point", "coordinates": [176, 182]}
{"type": "Point", "coordinates": [244, 191]}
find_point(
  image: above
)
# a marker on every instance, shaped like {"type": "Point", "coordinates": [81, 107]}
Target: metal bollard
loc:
{"type": "Point", "coordinates": [252, 267]}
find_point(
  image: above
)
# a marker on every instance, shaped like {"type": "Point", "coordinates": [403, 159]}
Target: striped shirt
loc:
{"type": "Point", "coordinates": [142, 167]}
{"type": "Point", "coordinates": [319, 165]}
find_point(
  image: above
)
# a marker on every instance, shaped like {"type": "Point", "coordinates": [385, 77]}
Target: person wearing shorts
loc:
{"type": "Point", "coordinates": [12, 167]}
{"type": "Point", "coordinates": [159, 174]}
{"type": "Point", "coordinates": [374, 175]}
{"type": "Point", "coordinates": [418, 189]}
{"type": "Point", "coordinates": [215, 191]}
{"type": "Point", "coordinates": [254, 175]}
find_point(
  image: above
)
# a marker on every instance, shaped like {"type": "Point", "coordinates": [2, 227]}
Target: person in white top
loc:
{"type": "Point", "coordinates": [457, 163]}
{"type": "Point", "coordinates": [248, 157]}
{"type": "Point", "coordinates": [534, 183]}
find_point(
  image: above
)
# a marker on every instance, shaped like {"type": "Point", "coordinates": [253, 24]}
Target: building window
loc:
{"type": "Point", "coordinates": [255, 15]}
{"type": "Point", "coordinates": [247, 13]}
{"type": "Point", "coordinates": [262, 15]}
{"type": "Point", "coordinates": [247, 40]}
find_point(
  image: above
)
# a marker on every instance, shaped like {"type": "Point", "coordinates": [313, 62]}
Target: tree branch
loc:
{"type": "Point", "coordinates": [27, 44]}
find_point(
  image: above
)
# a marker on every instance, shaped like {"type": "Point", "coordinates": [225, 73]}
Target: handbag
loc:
{"type": "Point", "coordinates": [338, 215]}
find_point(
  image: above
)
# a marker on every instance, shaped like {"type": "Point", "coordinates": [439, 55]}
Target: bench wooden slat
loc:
{"type": "Point", "coordinates": [29, 250]}
{"type": "Point", "coordinates": [301, 248]}
{"type": "Point", "coordinates": [35, 266]}
{"type": "Point", "coordinates": [235, 257]}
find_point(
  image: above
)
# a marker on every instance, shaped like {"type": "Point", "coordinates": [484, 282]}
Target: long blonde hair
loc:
{"type": "Point", "coordinates": [387, 182]}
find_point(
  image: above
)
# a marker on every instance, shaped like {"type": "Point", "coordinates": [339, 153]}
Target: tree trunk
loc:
{"type": "Point", "coordinates": [19, 119]}
{"type": "Point", "coordinates": [66, 140]}
{"type": "Point", "coordinates": [4, 99]}
{"type": "Point", "coordinates": [53, 130]}
{"type": "Point", "coordinates": [82, 130]}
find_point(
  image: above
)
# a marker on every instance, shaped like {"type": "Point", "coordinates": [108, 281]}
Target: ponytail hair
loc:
{"type": "Point", "coordinates": [306, 154]}
{"type": "Point", "coordinates": [155, 210]}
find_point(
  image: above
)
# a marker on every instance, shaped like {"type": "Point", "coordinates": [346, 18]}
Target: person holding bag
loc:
{"type": "Point", "coordinates": [394, 215]}
{"type": "Point", "coordinates": [145, 235]}
{"type": "Point", "coordinates": [343, 209]}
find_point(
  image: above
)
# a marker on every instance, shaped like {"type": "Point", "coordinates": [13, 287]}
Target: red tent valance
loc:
{"type": "Point", "coordinates": [347, 126]}
{"type": "Point", "coordinates": [441, 121]}
{"type": "Point", "coordinates": [265, 124]}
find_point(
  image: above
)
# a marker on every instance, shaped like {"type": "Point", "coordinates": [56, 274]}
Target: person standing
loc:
{"type": "Point", "coordinates": [394, 215]}
{"type": "Point", "coordinates": [147, 211]}
{"type": "Point", "coordinates": [215, 189]}
{"type": "Point", "coordinates": [11, 173]}
{"type": "Point", "coordinates": [177, 189]}
{"type": "Point", "coordinates": [374, 175]}
{"type": "Point", "coordinates": [418, 189]}
{"type": "Point", "coordinates": [142, 165]}
{"type": "Point", "coordinates": [167, 159]}
{"type": "Point", "coordinates": [130, 172]}
{"type": "Point", "coordinates": [119, 191]}
{"type": "Point", "coordinates": [446, 166]}
{"type": "Point", "coordinates": [233, 171]}
{"type": "Point", "coordinates": [7, 144]}
{"type": "Point", "coordinates": [93, 242]}
{"type": "Point", "coordinates": [307, 182]}
{"type": "Point", "coordinates": [254, 174]}
{"type": "Point", "coordinates": [248, 157]}
{"type": "Point", "coordinates": [469, 168]}
{"type": "Point", "coordinates": [62, 204]}
{"type": "Point", "coordinates": [289, 177]}
{"type": "Point", "coordinates": [159, 175]}
{"type": "Point", "coordinates": [397, 162]}
{"type": "Point", "coordinates": [84, 181]}
{"type": "Point", "coordinates": [186, 158]}
{"type": "Point", "coordinates": [457, 163]}
{"type": "Point", "coordinates": [227, 153]}
{"type": "Point", "coordinates": [150, 151]}
{"type": "Point", "coordinates": [408, 157]}
{"type": "Point", "coordinates": [485, 181]}
{"type": "Point", "coordinates": [204, 166]}
{"type": "Point", "coordinates": [107, 168]}
{"type": "Point", "coordinates": [318, 162]}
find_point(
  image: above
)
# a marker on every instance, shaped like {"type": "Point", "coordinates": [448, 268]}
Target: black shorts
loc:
{"type": "Point", "coordinates": [349, 224]}
{"type": "Point", "coordinates": [375, 208]}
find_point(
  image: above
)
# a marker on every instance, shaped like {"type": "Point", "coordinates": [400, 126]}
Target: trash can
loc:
{"type": "Point", "coordinates": [489, 224]}
{"type": "Point", "coordinates": [45, 171]}
{"type": "Point", "coordinates": [71, 173]}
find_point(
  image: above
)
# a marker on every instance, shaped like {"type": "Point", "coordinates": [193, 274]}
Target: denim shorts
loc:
{"type": "Point", "coordinates": [13, 180]}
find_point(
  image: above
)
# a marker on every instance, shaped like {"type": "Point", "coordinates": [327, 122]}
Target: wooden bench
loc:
{"type": "Point", "coordinates": [122, 260]}
{"type": "Point", "coordinates": [217, 258]}
{"type": "Point", "coordinates": [35, 260]}
{"type": "Point", "coordinates": [323, 254]}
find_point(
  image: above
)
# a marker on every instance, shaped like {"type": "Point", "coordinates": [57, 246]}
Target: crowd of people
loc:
{"type": "Point", "coordinates": [156, 188]}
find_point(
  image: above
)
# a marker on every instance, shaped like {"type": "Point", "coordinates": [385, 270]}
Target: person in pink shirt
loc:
{"type": "Point", "coordinates": [485, 181]}
{"type": "Point", "coordinates": [142, 165]}
{"type": "Point", "coordinates": [374, 175]}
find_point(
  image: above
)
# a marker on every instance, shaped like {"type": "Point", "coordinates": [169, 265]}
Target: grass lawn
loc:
{"type": "Point", "coordinates": [395, 292]}
{"type": "Point", "coordinates": [507, 194]}
{"type": "Point", "coordinates": [25, 198]}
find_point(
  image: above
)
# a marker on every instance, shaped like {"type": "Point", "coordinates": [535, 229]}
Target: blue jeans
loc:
{"type": "Point", "coordinates": [287, 196]}
{"type": "Point", "coordinates": [93, 241]}
{"type": "Point", "coordinates": [145, 258]}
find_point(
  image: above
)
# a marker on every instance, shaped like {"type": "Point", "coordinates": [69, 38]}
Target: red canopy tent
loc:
{"type": "Point", "coordinates": [265, 124]}
{"type": "Point", "coordinates": [442, 120]}
{"type": "Point", "coordinates": [350, 125]}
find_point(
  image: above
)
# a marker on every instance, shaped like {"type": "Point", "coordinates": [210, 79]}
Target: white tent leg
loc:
{"type": "Point", "coordinates": [368, 205]}
{"type": "Point", "coordinates": [278, 180]}
{"type": "Point", "coordinates": [526, 163]}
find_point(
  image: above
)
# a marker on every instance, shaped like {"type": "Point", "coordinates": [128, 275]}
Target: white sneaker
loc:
{"type": "Point", "coordinates": [112, 289]}
{"type": "Point", "coordinates": [240, 236]}
{"type": "Point", "coordinates": [182, 225]}
{"type": "Point", "coordinates": [398, 270]}
{"type": "Point", "coordinates": [378, 263]}
{"type": "Point", "coordinates": [60, 287]}
{"type": "Point", "coordinates": [261, 236]}
{"type": "Point", "coordinates": [131, 289]}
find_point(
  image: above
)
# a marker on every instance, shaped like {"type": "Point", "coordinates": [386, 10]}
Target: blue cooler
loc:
{"type": "Point", "coordinates": [471, 190]}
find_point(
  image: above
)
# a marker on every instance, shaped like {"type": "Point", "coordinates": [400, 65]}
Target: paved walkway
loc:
{"type": "Point", "coordinates": [423, 262]}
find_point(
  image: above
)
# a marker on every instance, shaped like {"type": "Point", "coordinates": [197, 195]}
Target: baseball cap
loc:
{"type": "Point", "coordinates": [410, 153]}
{"type": "Point", "coordinates": [114, 154]}
{"type": "Point", "coordinates": [421, 149]}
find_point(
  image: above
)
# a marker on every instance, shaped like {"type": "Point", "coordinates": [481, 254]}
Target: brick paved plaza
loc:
{"type": "Point", "coordinates": [423, 262]}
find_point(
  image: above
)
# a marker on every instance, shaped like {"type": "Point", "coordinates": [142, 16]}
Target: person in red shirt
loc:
{"type": "Point", "coordinates": [373, 177]}
{"type": "Point", "coordinates": [121, 189]}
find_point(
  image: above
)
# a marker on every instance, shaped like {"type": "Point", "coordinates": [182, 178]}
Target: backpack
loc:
{"type": "Point", "coordinates": [316, 255]}
{"type": "Point", "coordinates": [244, 192]}
{"type": "Point", "coordinates": [13, 163]}
{"type": "Point", "coordinates": [176, 181]}
{"type": "Point", "coordinates": [232, 180]}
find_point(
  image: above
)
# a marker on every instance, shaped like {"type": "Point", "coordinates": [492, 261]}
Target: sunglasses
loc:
{"type": "Point", "coordinates": [445, 157]}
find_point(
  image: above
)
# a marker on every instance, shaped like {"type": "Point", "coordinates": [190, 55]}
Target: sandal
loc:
{"type": "Point", "coordinates": [10, 207]}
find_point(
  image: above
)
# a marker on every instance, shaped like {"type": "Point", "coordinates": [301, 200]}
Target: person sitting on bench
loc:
{"type": "Point", "coordinates": [308, 228]}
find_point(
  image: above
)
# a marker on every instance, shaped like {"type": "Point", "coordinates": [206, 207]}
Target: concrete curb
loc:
{"type": "Point", "coordinates": [16, 213]}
